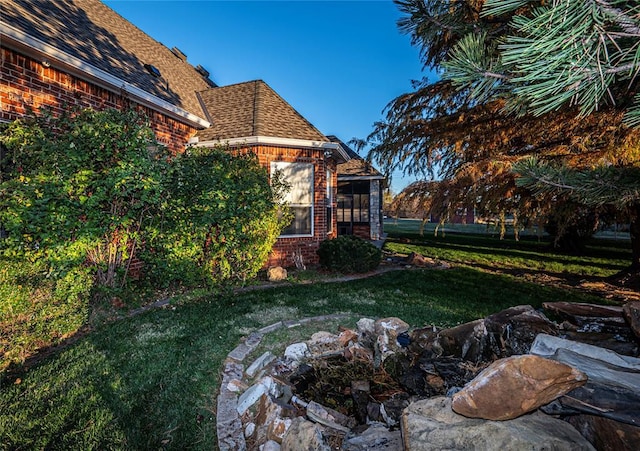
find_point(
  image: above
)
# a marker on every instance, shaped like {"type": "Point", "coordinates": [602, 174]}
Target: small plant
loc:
{"type": "Point", "coordinates": [349, 254]}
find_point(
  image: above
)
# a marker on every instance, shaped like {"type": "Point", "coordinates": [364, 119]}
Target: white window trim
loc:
{"type": "Point", "coordinates": [273, 167]}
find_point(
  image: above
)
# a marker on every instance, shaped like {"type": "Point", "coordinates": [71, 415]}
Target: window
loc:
{"type": "Point", "coordinates": [300, 196]}
{"type": "Point", "coordinates": [329, 201]}
{"type": "Point", "coordinates": [353, 202]}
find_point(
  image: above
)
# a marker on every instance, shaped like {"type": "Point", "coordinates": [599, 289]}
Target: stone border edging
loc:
{"type": "Point", "coordinates": [228, 424]}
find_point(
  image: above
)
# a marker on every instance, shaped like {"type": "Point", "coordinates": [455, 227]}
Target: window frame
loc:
{"type": "Point", "coordinates": [279, 166]}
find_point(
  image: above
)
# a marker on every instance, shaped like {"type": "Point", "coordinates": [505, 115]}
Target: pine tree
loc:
{"type": "Point", "coordinates": [552, 79]}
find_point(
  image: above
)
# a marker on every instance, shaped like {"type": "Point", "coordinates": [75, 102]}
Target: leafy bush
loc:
{"type": "Point", "coordinates": [349, 254]}
{"type": "Point", "coordinates": [219, 219]}
{"type": "Point", "coordinates": [77, 189]}
{"type": "Point", "coordinates": [84, 194]}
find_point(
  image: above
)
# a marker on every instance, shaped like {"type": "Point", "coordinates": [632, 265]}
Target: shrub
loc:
{"type": "Point", "coordinates": [349, 254]}
{"type": "Point", "coordinates": [83, 194]}
{"type": "Point", "coordinates": [219, 220]}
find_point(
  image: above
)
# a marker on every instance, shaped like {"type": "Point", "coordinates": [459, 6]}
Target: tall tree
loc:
{"type": "Point", "coordinates": [473, 125]}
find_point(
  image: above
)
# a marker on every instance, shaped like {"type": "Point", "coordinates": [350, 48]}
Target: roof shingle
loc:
{"type": "Point", "coordinates": [97, 35]}
{"type": "Point", "coordinates": [253, 109]}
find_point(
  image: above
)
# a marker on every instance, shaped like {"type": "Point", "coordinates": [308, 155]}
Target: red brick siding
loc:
{"type": "Point", "coordinates": [285, 248]}
{"type": "Point", "coordinates": [27, 85]}
{"type": "Point", "coordinates": [362, 231]}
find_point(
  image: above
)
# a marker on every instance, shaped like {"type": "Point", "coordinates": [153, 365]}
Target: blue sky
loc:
{"type": "Point", "coordinates": [337, 62]}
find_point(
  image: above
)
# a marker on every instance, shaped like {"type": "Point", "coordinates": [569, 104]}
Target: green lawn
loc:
{"type": "Point", "coordinates": [150, 381]}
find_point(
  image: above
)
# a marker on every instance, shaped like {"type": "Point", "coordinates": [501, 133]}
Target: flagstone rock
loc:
{"type": "Point", "coordinates": [547, 346]}
{"type": "Point", "coordinates": [512, 331]}
{"type": "Point", "coordinates": [431, 425]}
{"type": "Point", "coordinates": [260, 363]}
{"type": "Point", "coordinates": [270, 445]}
{"type": "Point", "coordinates": [366, 328]}
{"type": "Point", "coordinates": [278, 428]}
{"type": "Point", "coordinates": [468, 341]}
{"type": "Point", "coordinates": [376, 437]}
{"type": "Point", "coordinates": [513, 386]}
{"type": "Point", "coordinates": [605, 434]}
{"type": "Point", "coordinates": [276, 274]}
{"type": "Point", "coordinates": [323, 342]}
{"type": "Point", "coordinates": [297, 351]}
{"type": "Point", "coordinates": [386, 344]}
{"type": "Point", "coordinates": [598, 399]}
{"type": "Point", "coordinates": [304, 435]}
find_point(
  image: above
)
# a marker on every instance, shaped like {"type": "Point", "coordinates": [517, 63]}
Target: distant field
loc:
{"type": "Point", "coordinates": [413, 226]}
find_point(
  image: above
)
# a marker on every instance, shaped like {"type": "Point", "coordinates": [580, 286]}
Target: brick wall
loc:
{"type": "Point", "coordinates": [285, 248]}
{"type": "Point", "coordinates": [362, 231]}
{"type": "Point", "coordinates": [27, 85]}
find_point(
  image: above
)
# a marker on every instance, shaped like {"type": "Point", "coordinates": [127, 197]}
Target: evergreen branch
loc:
{"type": "Point", "coordinates": [604, 185]}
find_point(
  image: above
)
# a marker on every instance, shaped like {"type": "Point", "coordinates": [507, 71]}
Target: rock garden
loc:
{"type": "Point", "coordinates": [513, 380]}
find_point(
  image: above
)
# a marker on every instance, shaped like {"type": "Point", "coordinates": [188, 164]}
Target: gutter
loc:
{"type": "Point", "coordinates": [334, 148]}
{"type": "Point", "coordinates": [29, 44]}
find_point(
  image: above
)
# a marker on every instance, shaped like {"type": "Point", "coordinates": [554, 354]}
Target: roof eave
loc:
{"type": "Point", "coordinates": [277, 141]}
{"type": "Point", "coordinates": [16, 38]}
{"type": "Point", "coordinates": [351, 178]}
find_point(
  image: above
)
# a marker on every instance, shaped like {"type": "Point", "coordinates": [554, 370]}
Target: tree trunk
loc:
{"type": "Point", "coordinates": [634, 231]}
{"type": "Point", "coordinates": [630, 277]}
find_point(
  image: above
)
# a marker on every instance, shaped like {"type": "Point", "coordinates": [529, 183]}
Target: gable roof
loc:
{"type": "Point", "coordinates": [356, 167]}
{"type": "Point", "coordinates": [89, 31]}
{"type": "Point", "coordinates": [253, 108]}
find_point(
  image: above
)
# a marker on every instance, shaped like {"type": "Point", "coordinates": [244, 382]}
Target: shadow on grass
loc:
{"type": "Point", "coordinates": [466, 249]}
{"type": "Point", "coordinates": [150, 381]}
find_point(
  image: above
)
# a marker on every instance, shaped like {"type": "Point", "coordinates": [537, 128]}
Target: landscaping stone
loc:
{"type": "Point", "coordinates": [631, 312]}
{"type": "Point", "coordinates": [228, 424]}
{"type": "Point", "coordinates": [386, 344]}
{"type": "Point", "coordinates": [260, 363]}
{"type": "Point", "coordinates": [250, 397]}
{"type": "Point", "coordinates": [266, 385]}
{"type": "Point", "coordinates": [605, 434]}
{"type": "Point", "coordinates": [546, 346]}
{"type": "Point", "coordinates": [512, 331]}
{"type": "Point", "coordinates": [421, 366]}
{"type": "Point", "coordinates": [304, 435]}
{"type": "Point", "coordinates": [513, 386]}
{"type": "Point", "coordinates": [376, 437]}
{"type": "Point", "coordinates": [431, 425]}
{"type": "Point", "coordinates": [271, 328]}
{"type": "Point", "coordinates": [366, 332]}
{"type": "Point", "coordinates": [468, 341]}
{"type": "Point", "coordinates": [277, 429]}
{"type": "Point", "coordinates": [607, 401]}
{"type": "Point", "coordinates": [270, 446]}
{"type": "Point", "coordinates": [323, 342]}
{"type": "Point", "coordinates": [276, 274]}
{"type": "Point", "coordinates": [249, 429]}
{"type": "Point", "coordinates": [297, 351]}
{"type": "Point", "coordinates": [236, 386]}
{"type": "Point", "coordinates": [578, 309]}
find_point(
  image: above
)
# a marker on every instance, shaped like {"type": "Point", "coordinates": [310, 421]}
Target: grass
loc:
{"type": "Point", "coordinates": [150, 381]}
{"type": "Point", "coordinates": [603, 257]}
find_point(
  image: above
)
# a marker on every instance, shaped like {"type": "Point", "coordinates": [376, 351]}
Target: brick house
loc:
{"type": "Point", "coordinates": [252, 116]}
{"type": "Point", "coordinates": [80, 53]}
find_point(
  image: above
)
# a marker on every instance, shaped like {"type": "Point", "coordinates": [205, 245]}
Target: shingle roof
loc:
{"type": "Point", "coordinates": [253, 109]}
{"type": "Point", "coordinates": [356, 166]}
{"type": "Point", "coordinates": [94, 33]}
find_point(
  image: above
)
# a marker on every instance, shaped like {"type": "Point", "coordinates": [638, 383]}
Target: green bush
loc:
{"type": "Point", "coordinates": [84, 194]}
{"type": "Point", "coordinates": [349, 254]}
{"type": "Point", "coordinates": [219, 219]}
